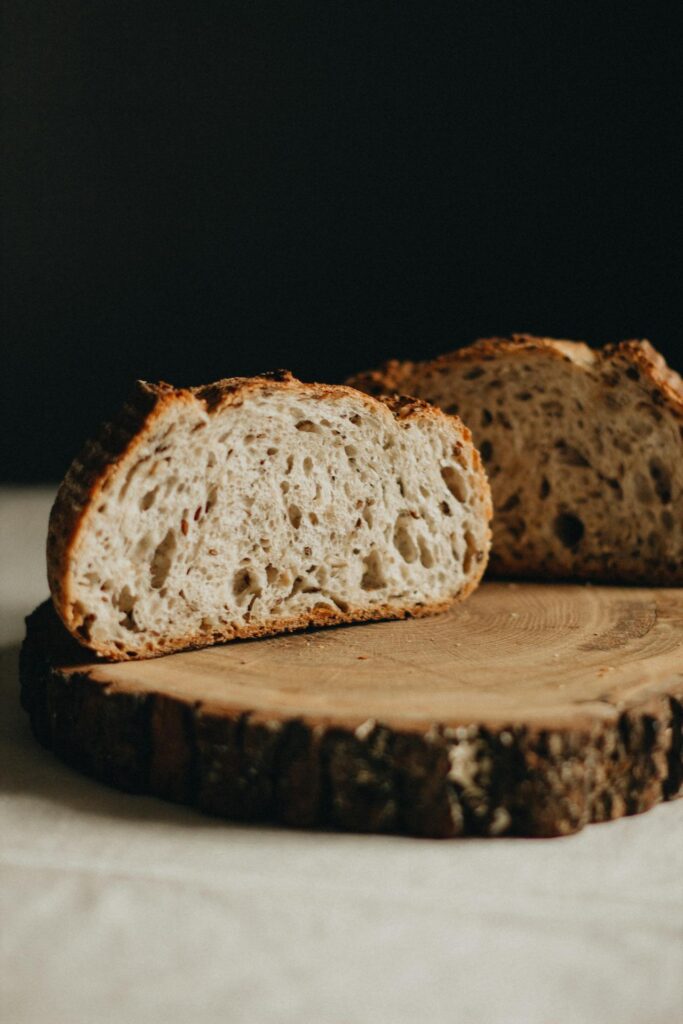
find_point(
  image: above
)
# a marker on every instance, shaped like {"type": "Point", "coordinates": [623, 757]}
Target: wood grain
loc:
{"type": "Point", "coordinates": [530, 710]}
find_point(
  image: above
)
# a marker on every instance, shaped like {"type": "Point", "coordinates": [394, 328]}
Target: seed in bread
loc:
{"type": "Point", "coordinates": [583, 447]}
{"type": "Point", "coordinates": [256, 506]}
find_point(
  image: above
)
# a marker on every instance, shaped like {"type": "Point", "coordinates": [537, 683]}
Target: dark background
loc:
{"type": "Point", "coordinates": [196, 190]}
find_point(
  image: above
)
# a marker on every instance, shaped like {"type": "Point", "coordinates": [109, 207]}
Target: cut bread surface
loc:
{"type": "Point", "coordinates": [256, 506]}
{"type": "Point", "coordinates": [583, 448]}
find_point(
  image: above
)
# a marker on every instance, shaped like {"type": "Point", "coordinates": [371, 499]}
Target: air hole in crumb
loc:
{"type": "Point", "coordinates": [84, 628]}
{"type": "Point", "coordinates": [125, 602]}
{"type": "Point", "coordinates": [661, 480]}
{"type": "Point", "coordinates": [271, 573]}
{"type": "Point", "coordinates": [486, 450]}
{"type": "Point", "coordinates": [552, 408]}
{"type": "Point", "coordinates": [148, 499]}
{"type": "Point", "coordinates": [210, 460]}
{"type": "Point", "coordinates": [544, 489]}
{"type": "Point", "coordinates": [313, 518]}
{"type": "Point", "coordinates": [643, 489]}
{"type": "Point", "coordinates": [284, 487]}
{"type": "Point", "coordinates": [307, 465]}
{"type": "Point", "coordinates": [367, 516]}
{"type": "Point", "coordinates": [516, 527]}
{"type": "Point", "coordinates": [290, 463]}
{"type": "Point", "coordinates": [142, 548]}
{"type": "Point", "coordinates": [351, 450]}
{"type": "Point", "coordinates": [510, 503]}
{"type": "Point", "coordinates": [297, 586]}
{"type": "Point", "coordinates": [403, 542]}
{"type": "Point", "coordinates": [211, 499]}
{"type": "Point", "coordinates": [355, 419]}
{"type": "Point", "coordinates": [445, 508]}
{"type": "Point", "coordinates": [460, 455]}
{"type": "Point", "coordinates": [373, 576]}
{"type": "Point", "coordinates": [131, 473]}
{"type": "Point", "coordinates": [271, 451]}
{"type": "Point", "coordinates": [569, 455]}
{"type": "Point", "coordinates": [569, 529]}
{"type": "Point", "coordinates": [426, 556]}
{"type": "Point", "coordinates": [308, 426]}
{"type": "Point", "coordinates": [162, 558]}
{"type": "Point", "coordinates": [454, 482]}
{"type": "Point", "coordinates": [294, 513]}
{"type": "Point", "coordinates": [616, 486]}
{"type": "Point", "coordinates": [486, 417]}
{"type": "Point", "coordinates": [470, 552]}
{"type": "Point", "coordinates": [667, 519]}
{"type": "Point", "coordinates": [245, 582]}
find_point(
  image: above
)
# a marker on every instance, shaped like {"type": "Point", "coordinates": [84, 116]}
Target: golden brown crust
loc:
{"type": "Point", "coordinates": [316, 618]}
{"type": "Point", "coordinates": [90, 472]}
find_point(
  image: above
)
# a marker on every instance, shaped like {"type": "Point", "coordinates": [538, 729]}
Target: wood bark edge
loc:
{"type": "Point", "coordinates": [446, 782]}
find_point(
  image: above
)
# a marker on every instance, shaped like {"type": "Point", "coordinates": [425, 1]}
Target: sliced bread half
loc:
{"type": "Point", "coordinates": [583, 448]}
{"type": "Point", "coordinates": [256, 506]}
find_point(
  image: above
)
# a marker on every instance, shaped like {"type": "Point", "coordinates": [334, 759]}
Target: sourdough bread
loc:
{"type": "Point", "coordinates": [583, 448]}
{"type": "Point", "coordinates": [262, 505]}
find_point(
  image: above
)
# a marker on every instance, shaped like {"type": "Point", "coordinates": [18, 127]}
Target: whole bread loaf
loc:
{"type": "Point", "coordinates": [583, 448]}
{"type": "Point", "coordinates": [255, 506]}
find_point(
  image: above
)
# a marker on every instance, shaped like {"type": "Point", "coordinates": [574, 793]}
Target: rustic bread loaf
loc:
{"type": "Point", "coordinates": [256, 506]}
{"type": "Point", "coordinates": [583, 448]}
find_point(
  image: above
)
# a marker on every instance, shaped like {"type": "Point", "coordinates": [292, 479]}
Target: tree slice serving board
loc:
{"type": "Point", "coordinates": [528, 710]}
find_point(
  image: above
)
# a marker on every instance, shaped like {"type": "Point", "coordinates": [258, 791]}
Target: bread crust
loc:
{"type": "Point", "coordinates": [638, 359]}
{"type": "Point", "coordinates": [394, 374]}
{"type": "Point", "coordinates": [117, 440]}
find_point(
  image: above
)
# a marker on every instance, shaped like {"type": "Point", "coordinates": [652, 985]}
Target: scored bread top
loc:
{"type": "Point", "coordinates": [99, 499]}
{"type": "Point", "coordinates": [583, 447]}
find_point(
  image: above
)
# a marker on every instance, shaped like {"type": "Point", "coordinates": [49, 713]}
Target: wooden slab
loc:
{"type": "Point", "coordinates": [529, 710]}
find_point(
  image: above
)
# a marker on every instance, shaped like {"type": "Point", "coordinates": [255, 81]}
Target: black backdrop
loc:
{"type": "Point", "coordinates": [195, 190]}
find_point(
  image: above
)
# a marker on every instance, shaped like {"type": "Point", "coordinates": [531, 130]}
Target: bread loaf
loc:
{"type": "Point", "coordinates": [256, 506]}
{"type": "Point", "coordinates": [583, 448]}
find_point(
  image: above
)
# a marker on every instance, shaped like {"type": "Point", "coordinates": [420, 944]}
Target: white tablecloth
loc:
{"type": "Point", "coordinates": [124, 909]}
